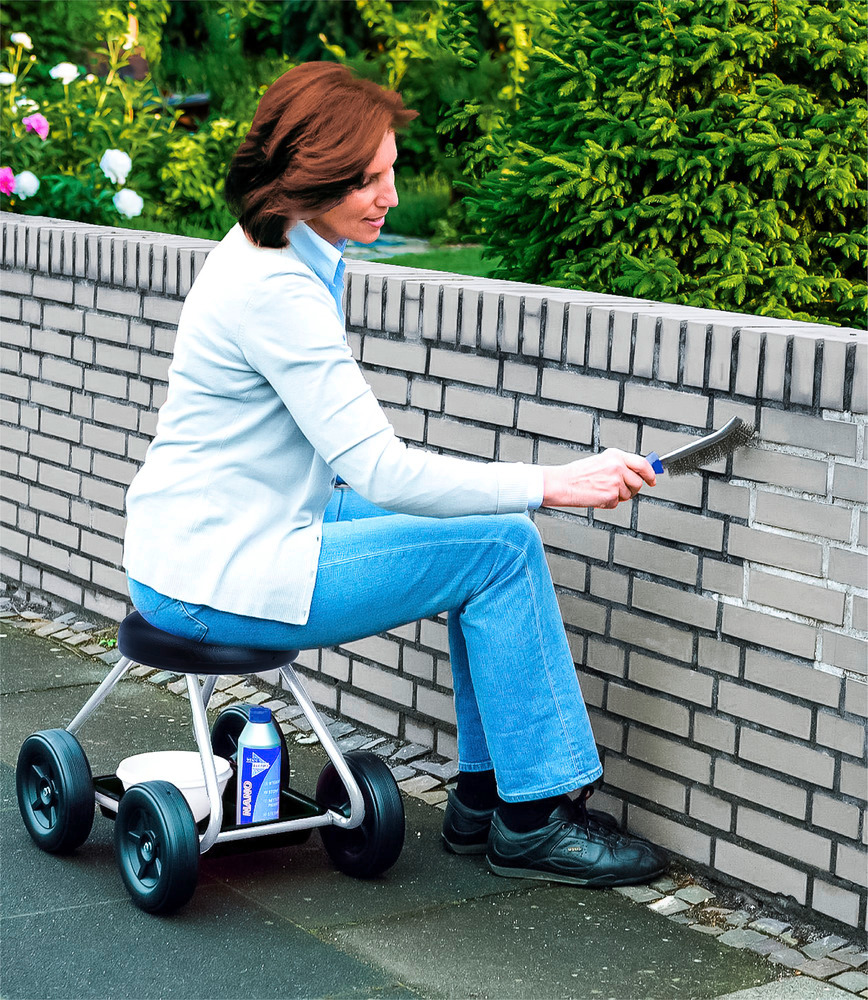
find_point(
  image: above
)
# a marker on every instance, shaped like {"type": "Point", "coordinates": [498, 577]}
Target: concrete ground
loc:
{"type": "Point", "coordinates": [282, 923]}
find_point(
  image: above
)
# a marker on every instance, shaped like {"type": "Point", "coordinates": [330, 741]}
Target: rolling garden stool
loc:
{"type": "Point", "coordinates": [357, 806]}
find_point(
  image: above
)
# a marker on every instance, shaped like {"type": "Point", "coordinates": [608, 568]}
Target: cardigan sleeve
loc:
{"type": "Point", "coordinates": [291, 335]}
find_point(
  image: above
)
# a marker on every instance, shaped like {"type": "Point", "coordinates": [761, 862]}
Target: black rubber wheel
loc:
{"type": "Point", "coordinates": [157, 846]}
{"type": "Point", "coordinates": [54, 785]}
{"type": "Point", "coordinates": [372, 848]}
{"type": "Point", "coordinates": [226, 730]}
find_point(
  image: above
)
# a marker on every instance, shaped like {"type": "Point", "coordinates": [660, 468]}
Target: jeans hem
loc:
{"type": "Point", "coordinates": [477, 767]}
{"type": "Point", "coordinates": [561, 789]}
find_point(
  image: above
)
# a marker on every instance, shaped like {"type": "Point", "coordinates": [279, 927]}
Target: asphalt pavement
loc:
{"type": "Point", "coordinates": [282, 923]}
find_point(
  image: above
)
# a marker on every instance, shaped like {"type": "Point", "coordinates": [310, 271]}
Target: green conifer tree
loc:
{"type": "Point", "coordinates": [706, 152]}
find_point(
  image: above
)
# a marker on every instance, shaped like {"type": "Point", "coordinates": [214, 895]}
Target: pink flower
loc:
{"type": "Point", "coordinates": [36, 123]}
{"type": "Point", "coordinates": [7, 180]}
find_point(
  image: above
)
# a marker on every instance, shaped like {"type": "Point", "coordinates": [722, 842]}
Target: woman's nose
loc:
{"type": "Point", "coordinates": [388, 196]}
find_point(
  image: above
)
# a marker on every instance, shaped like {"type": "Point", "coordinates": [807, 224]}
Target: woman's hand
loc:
{"type": "Point", "coordinates": [602, 480]}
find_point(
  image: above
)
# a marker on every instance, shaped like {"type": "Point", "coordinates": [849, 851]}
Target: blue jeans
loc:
{"type": "Point", "coordinates": [517, 700]}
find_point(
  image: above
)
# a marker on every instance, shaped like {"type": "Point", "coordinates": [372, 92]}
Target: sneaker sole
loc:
{"type": "Point", "coordinates": [454, 848]}
{"type": "Point", "coordinates": [602, 882]}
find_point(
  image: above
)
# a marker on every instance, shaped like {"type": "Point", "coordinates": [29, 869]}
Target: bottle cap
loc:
{"type": "Point", "coordinates": [259, 713]}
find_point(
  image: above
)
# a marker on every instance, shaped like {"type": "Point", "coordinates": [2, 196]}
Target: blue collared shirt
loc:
{"type": "Point", "coordinates": [323, 258]}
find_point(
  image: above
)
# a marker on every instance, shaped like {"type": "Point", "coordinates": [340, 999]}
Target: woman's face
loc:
{"type": "Point", "coordinates": [360, 216]}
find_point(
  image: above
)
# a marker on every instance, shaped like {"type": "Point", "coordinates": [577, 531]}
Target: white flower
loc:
{"type": "Point", "coordinates": [66, 72]}
{"type": "Point", "coordinates": [21, 38]}
{"type": "Point", "coordinates": [26, 184]}
{"type": "Point", "coordinates": [7, 79]}
{"type": "Point", "coordinates": [116, 164]}
{"type": "Point", "coordinates": [26, 104]}
{"type": "Point", "coordinates": [128, 203]}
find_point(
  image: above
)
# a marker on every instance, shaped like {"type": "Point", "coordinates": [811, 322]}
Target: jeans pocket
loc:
{"type": "Point", "coordinates": [194, 627]}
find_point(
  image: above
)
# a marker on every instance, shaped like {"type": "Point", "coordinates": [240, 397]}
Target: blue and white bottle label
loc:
{"type": "Point", "coordinates": [259, 785]}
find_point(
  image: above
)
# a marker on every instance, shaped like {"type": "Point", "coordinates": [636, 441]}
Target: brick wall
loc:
{"type": "Point", "coordinates": [718, 623]}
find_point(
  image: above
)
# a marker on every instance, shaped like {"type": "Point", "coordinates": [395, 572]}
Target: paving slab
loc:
{"type": "Point", "coordinates": [794, 988]}
{"type": "Point", "coordinates": [551, 942]}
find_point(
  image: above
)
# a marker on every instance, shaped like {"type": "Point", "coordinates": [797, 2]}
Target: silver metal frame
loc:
{"type": "Point", "coordinates": [199, 695]}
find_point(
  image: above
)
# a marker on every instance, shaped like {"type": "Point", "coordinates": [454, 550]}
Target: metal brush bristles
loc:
{"type": "Point", "coordinates": [741, 436]}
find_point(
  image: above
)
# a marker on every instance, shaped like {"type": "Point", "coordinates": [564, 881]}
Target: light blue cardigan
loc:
{"type": "Point", "coordinates": [265, 405]}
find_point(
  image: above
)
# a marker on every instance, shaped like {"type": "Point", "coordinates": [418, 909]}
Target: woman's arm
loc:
{"type": "Point", "coordinates": [603, 480]}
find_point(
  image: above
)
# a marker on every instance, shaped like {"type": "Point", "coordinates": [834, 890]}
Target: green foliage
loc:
{"type": "Point", "coordinates": [706, 152]}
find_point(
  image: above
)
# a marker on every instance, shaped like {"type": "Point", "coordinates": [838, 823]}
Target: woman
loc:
{"type": "Point", "coordinates": [237, 535]}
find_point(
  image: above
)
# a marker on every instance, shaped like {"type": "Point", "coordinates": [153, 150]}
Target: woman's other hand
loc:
{"type": "Point", "coordinates": [603, 480]}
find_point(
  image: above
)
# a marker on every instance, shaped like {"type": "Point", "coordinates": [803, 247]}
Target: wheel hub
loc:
{"type": "Point", "coordinates": [46, 792]}
{"type": "Point", "coordinates": [147, 848]}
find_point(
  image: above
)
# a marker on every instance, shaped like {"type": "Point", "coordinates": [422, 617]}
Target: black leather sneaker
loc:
{"type": "Point", "coordinates": [465, 830]}
{"type": "Point", "coordinates": [573, 848]}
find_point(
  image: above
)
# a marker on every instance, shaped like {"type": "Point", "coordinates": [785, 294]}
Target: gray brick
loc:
{"type": "Point", "coordinates": [714, 654]}
{"type": "Point", "coordinates": [848, 737]}
{"type": "Point", "coordinates": [605, 657]}
{"type": "Point", "coordinates": [464, 438]}
{"type": "Point", "coordinates": [568, 572]}
{"type": "Point", "coordinates": [388, 388]}
{"type": "Point", "coordinates": [610, 586]}
{"type": "Point", "coordinates": [668, 755]}
{"type": "Point", "coordinates": [52, 449]}
{"type": "Point", "coordinates": [554, 421]}
{"type": "Point", "coordinates": [851, 863]}
{"type": "Point", "coordinates": [115, 414]}
{"type": "Point", "coordinates": [806, 516]}
{"type": "Point", "coordinates": [709, 809]}
{"type": "Point", "coordinates": [765, 630]}
{"type": "Point", "coordinates": [860, 614]}
{"type": "Point", "coordinates": [765, 709]}
{"type": "Point", "coordinates": [394, 354]}
{"type": "Point", "coordinates": [845, 651]}
{"type": "Point", "coordinates": [850, 482]}
{"type": "Point", "coordinates": [383, 683]}
{"type": "Point", "coordinates": [82, 350]}
{"type": "Point", "coordinates": [59, 426]}
{"type": "Point", "coordinates": [618, 433]}
{"type": "Point", "coordinates": [848, 567]}
{"type": "Point", "coordinates": [375, 648]}
{"type": "Point", "coordinates": [792, 678]}
{"type": "Point", "coordinates": [681, 605]}
{"type": "Point", "coordinates": [42, 500]}
{"type": "Point", "coordinates": [102, 493]}
{"type": "Point", "coordinates": [585, 615]}
{"type": "Point", "coordinates": [50, 342]}
{"type": "Point", "coordinates": [10, 307]}
{"type": "Point", "coordinates": [479, 406]}
{"type": "Point", "coordinates": [853, 780]}
{"type": "Point", "coordinates": [117, 301]}
{"type": "Point", "coordinates": [677, 836]}
{"type": "Point", "coordinates": [61, 318]}
{"type": "Point", "coordinates": [113, 469]}
{"type": "Point", "coordinates": [161, 310]}
{"type": "Point", "coordinates": [640, 781]}
{"type": "Point", "coordinates": [832, 814]}
{"type": "Point", "coordinates": [105, 549]}
{"type": "Point", "coordinates": [607, 732]}
{"type": "Point", "coordinates": [426, 395]}
{"type": "Point", "coordinates": [106, 384]}
{"type": "Point", "coordinates": [722, 578]}
{"type": "Point", "coordinates": [771, 832]}
{"type": "Point", "coordinates": [653, 636]}
{"type": "Point", "coordinates": [571, 534]}
{"type": "Point", "coordinates": [664, 403]}
{"type": "Point", "coordinates": [728, 499]}
{"type": "Point", "coordinates": [56, 289]}
{"type": "Point", "coordinates": [787, 757]}
{"type": "Point", "coordinates": [676, 681]}
{"type": "Point", "coordinates": [583, 390]}
{"type": "Point", "coordinates": [760, 870]}
{"type": "Point", "coordinates": [434, 704]}
{"type": "Point", "coordinates": [514, 449]}
{"type": "Point", "coordinates": [14, 386]}
{"type": "Point", "coordinates": [103, 439]}
{"type": "Point", "coordinates": [434, 635]}
{"type": "Point", "coordinates": [418, 664]}
{"type": "Point", "coordinates": [576, 333]}
{"type": "Point", "coordinates": [15, 333]}
{"type": "Point", "coordinates": [690, 529]}
{"type": "Point", "coordinates": [520, 378]}
{"type": "Point", "coordinates": [17, 282]}
{"type": "Point", "coordinates": [772, 549]}
{"type": "Point", "coordinates": [856, 696]}
{"type": "Point", "coordinates": [682, 490]}
{"type": "Point", "coordinates": [805, 474]}
{"type": "Point", "coordinates": [835, 437]}
{"type": "Point", "coordinates": [798, 598]}
{"type": "Point", "coordinates": [61, 371]}
{"type": "Point", "coordinates": [50, 396]}
{"type": "Point", "coordinates": [408, 424]}
{"type": "Point", "coordinates": [648, 709]}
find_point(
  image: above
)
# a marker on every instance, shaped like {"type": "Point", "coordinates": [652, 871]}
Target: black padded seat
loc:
{"type": "Point", "coordinates": [152, 647]}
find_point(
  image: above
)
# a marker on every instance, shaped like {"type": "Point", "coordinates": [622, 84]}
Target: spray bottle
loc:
{"type": "Point", "coordinates": [258, 769]}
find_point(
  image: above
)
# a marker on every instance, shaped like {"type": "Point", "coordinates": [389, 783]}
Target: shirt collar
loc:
{"type": "Point", "coordinates": [323, 258]}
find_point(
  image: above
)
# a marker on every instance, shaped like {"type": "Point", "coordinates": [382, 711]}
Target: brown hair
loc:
{"type": "Point", "coordinates": [315, 131]}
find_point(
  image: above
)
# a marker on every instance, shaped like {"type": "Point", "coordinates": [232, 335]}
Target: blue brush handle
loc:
{"type": "Point", "coordinates": [653, 460]}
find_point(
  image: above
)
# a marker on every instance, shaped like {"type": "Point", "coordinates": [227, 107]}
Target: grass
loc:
{"type": "Point", "coordinates": [461, 260]}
